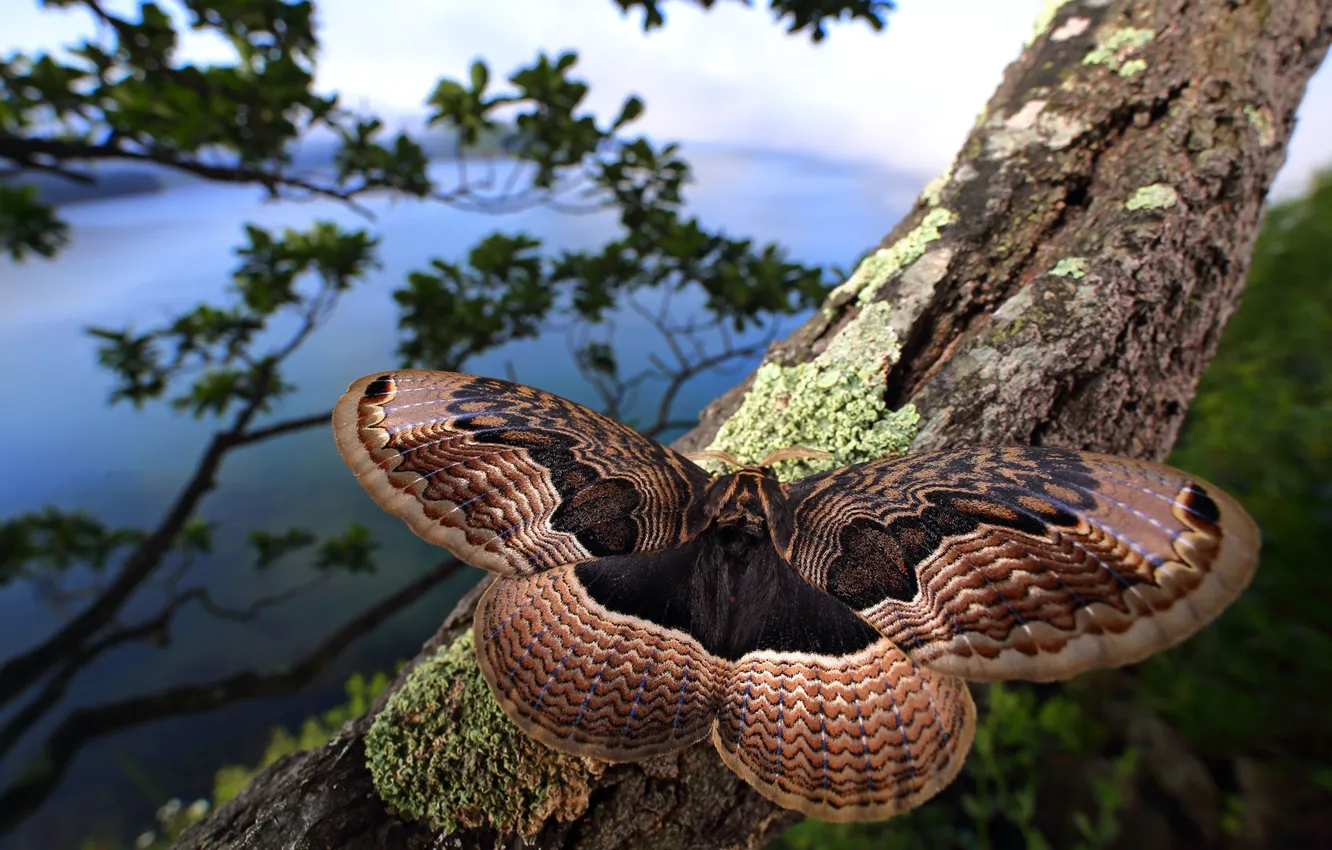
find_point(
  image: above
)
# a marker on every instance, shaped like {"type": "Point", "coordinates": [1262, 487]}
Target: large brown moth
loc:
{"type": "Point", "coordinates": [819, 631]}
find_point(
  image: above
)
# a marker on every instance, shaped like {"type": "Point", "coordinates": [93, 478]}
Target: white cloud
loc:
{"type": "Point", "coordinates": [903, 98]}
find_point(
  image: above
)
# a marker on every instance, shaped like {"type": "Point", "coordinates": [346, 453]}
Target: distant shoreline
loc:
{"type": "Point", "coordinates": [115, 181]}
{"type": "Point", "coordinates": [108, 184]}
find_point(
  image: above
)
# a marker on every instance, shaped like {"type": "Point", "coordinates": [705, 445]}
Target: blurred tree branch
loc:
{"type": "Point", "coordinates": [85, 724]}
{"type": "Point", "coordinates": [695, 347]}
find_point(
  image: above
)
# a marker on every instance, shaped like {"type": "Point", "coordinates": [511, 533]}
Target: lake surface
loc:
{"type": "Point", "coordinates": [139, 261]}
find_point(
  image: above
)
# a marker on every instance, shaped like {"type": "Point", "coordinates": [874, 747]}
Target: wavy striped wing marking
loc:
{"type": "Point", "coordinates": [1022, 563]}
{"type": "Point", "coordinates": [858, 737]}
{"type": "Point", "coordinates": [586, 680]}
{"type": "Point", "coordinates": [509, 478]}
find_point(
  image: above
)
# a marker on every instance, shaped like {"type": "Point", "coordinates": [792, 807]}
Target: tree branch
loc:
{"type": "Point", "coordinates": [28, 152]}
{"type": "Point", "coordinates": [46, 154]}
{"type": "Point", "coordinates": [19, 672]}
{"type": "Point", "coordinates": [33, 786]}
{"type": "Point", "coordinates": [284, 426]}
{"type": "Point", "coordinates": [54, 691]}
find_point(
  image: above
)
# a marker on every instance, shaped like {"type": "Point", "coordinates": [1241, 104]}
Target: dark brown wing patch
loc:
{"type": "Point", "coordinates": [509, 478]}
{"type": "Point", "coordinates": [1023, 562]}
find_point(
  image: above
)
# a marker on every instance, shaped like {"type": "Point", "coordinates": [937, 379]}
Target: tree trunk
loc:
{"type": "Point", "coordinates": [1064, 284]}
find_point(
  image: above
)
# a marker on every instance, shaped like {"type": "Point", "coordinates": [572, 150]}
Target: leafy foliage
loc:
{"type": "Point", "coordinates": [804, 14]}
{"type": "Point", "coordinates": [350, 551]}
{"type": "Point", "coordinates": [52, 539]}
{"type": "Point", "coordinates": [214, 347]}
{"type": "Point", "coordinates": [27, 225]}
{"type": "Point", "coordinates": [1013, 736]}
{"type": "Point", "coordinates": [361, 692]}
{"type": "Point", "coordinates": [173, 818]}
{"type": "Point", "coordinates": [269, 548]}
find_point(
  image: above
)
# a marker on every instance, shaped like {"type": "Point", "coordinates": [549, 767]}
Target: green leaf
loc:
{"type": "Point", "coordinates": [632, 109]}
{"type": "Point", "coordinates": [59, 540]}
{"type": "Point", "coordinates": [480, 77]}
{"type": "Point", "coordinates": [978, 808]}
{"type": "Point", "coordinates": [28, 226]}
{"type": "Point", "coordinates": [352, 551]}
{"type": "Point", "coordinates": [196, 536]}
{"type": "Point", "coordinates": [598, 358]}
{"type": "Point", "coordinates": [270, 548]}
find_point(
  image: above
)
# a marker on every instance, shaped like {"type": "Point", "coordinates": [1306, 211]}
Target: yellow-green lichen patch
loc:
{"type": "Point", "coordinates": [1115, 48]}
{"type": "Point", "coordinates": [935, 187]}
{"type": "Point", "coordinates": [1045, 17]}
{"type": "Point", "coordinates": [1074, 267]}
{"type": "Point", "coordinates": [879, 266]}
{"type": "Point", "coordinates": [1131, 67]}
{"type": "Point", "coordinates": [833, 403]}
{"type": "Point", "coordinates": [1261, 121]}
{"type": "Point", "coordinates": [1154, 197]}
{"type": "Point", "coordinates": [442, 750]}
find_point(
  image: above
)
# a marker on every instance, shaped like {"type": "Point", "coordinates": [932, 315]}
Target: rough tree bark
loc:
{"type": "Point", "coordinates": [1071, 276]}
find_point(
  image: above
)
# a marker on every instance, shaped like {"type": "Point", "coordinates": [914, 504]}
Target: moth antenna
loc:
{"type": "Point", "coordinates": [714, 454]}
{"type": "Point", "coordinates": [794, 453]}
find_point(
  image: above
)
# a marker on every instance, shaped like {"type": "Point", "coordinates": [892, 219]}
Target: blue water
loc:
{"type": "Point", "coordinates": [140, 260]}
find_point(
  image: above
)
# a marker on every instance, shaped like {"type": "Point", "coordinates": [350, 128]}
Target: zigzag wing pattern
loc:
{"type": "Point", "coordinates": [588, 680]}
{"type": "Point", "coordinates": [509, 478]}
{"type": "Point", "coordinates": [860, 737]}
{"type": "Point", "coordinates": [1024, 563]}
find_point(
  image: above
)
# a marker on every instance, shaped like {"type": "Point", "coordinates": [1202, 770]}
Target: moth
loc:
{"type": "Point", "coordinates": [819, 631]}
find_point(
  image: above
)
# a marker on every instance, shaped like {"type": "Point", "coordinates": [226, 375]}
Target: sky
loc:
{"type": "Point", "coordinates": [904, 98]}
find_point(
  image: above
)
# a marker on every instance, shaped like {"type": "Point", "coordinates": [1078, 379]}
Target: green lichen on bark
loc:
{"type": "Point", "coordinates": [934, 189]}
{"type": "Point", "coordinates": [1154, 197]}
{"type": "Point", "coordinates": [882, 264]}
{"type": "Point", "coordinates": [1074, 267]}
{"type": "Point", "coordinates": [834, 403]}
{"type": "Point", "coordinates": [875, 269]}
{"type": "Point", "coordinates": [1131, 67]}
{"type": "Point", "coordinates": [1115, 48]}
{"type": "Point", "coordinates": [1045, 17]}
{"type": "Point", "coordinates": [442, 750]}
{"type": "Point", "coordinates": [1260, 118]}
